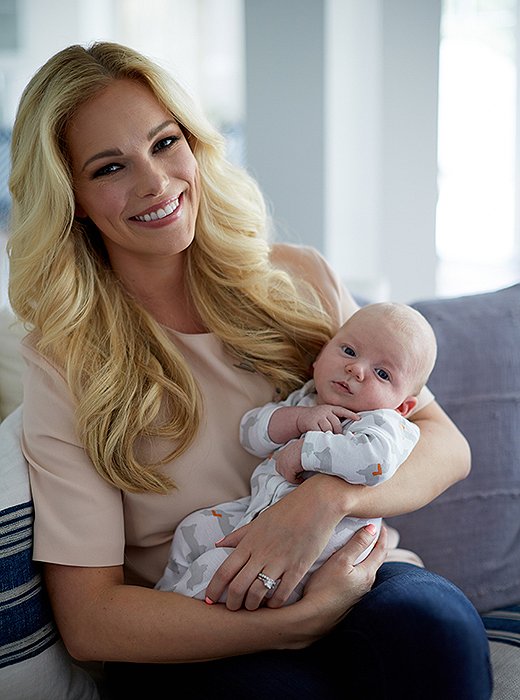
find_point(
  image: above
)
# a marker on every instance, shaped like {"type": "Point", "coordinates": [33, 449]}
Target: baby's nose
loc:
{"type": "Point", "coordinates": [355, 369]}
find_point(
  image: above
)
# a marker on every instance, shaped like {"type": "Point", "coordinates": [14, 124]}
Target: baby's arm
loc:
{"type": "Point", "coordinates": [369, 452]}
{"type": "Point", "coordinates": [264, 429]}
{"type": "Point", "coordinates": [290, 422]}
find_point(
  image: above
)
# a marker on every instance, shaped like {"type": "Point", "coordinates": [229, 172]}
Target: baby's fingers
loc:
{"type": "Point", "coordinates": [344, 413]}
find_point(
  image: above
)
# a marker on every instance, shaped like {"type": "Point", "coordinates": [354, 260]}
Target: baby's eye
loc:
{"type": "Point", "coordinates": [107, 170]}
{"type": "Point", "coordinates": [383, 374]}
{"type": "Point", "coordinates": [348, 351]}
{"type": "Point", "coordinates": [166, 142]}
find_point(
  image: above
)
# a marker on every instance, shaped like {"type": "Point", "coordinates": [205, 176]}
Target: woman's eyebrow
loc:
{"type": "Point", "coordinates": [116, 152]}
{"type": "Point", "coordinates": [153, 132]}
{"type": "Point", "coordinates": [101, 154]}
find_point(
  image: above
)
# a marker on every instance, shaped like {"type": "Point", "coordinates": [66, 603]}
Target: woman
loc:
{"type": "Point", "coordinates": [160, 314]}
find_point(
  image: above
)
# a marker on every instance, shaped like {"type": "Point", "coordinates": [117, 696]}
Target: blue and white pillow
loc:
{"type": "Point", "coordinates": [34, 664]}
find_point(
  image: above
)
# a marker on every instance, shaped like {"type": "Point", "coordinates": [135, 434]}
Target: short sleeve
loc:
{"type": "Point", "coordinates": [74, 507]}
{"type": "Point", "coordinates": [305, 262]}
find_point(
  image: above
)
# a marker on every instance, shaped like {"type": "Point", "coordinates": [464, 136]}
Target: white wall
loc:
{"type": "Point", "coordinates": [46, 26]}
{"type": "Point", "coordinates": [410, 61]}
{"type": "Point", "coordinates": [354, 120]}
{"type": "Point", "coordinates": [199, 41]}
{"type": "Point", "coordinates": [344, 93]}
{"type": "Point", "coordinates": [285, 117]}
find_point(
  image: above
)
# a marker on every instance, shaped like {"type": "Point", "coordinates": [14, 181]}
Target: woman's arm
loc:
{"type": "Point", "coordinates": [101, 618]}
{"type": "Point", "coordinates": [440, 459]}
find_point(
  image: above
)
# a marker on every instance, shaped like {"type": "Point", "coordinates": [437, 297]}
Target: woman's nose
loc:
{"type": "Point", "coordinates": [151, 180]}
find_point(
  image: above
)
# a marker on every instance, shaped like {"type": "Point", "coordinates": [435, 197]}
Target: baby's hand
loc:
{"type": "Point", "coordinates": [289, 461]}
{"type": "Point", "coordinates": [324, 417]}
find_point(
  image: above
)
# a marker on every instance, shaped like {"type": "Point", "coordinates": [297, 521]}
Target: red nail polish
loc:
{"type": "Point", "coordinates": [208, 601]}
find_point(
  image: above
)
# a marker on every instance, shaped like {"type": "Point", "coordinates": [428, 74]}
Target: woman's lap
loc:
{"type": "Point", "coordinates": [414, 635]}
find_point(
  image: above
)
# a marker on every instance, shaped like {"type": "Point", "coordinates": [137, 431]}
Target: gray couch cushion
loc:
{"type": "Point", "coordinates": [471, 533]}
{"type": "Point", "coordinates": [506, 674]}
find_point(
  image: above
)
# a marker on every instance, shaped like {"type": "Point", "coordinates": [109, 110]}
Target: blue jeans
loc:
{"type": "Point", "coordinates": [413, 636]}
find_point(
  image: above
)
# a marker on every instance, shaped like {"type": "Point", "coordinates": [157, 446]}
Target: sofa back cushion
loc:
{"type": "Point", "coordinates": [471, 533]}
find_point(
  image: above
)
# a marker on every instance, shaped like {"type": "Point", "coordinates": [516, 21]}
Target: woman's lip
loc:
{"type": "Point", "coordinates": [159, 211]}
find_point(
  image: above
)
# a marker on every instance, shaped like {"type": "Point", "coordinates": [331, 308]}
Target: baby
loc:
{"type": "Point", "coordinates": [348, 421]}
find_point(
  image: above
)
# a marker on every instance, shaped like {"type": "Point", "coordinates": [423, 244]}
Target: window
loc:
{"type": "Point", "coordinates": [476, 230]}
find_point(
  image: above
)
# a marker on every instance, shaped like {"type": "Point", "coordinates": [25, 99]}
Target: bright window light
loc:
{"type": "Point", "coordinates": [476, 230]}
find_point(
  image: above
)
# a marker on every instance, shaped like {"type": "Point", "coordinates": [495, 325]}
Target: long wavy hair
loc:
{"type": "Point", "coordinates": [127, 378]}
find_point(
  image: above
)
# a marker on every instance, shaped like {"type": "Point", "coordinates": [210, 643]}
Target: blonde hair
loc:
{"type": "Point", "coordinates": [128, 379]}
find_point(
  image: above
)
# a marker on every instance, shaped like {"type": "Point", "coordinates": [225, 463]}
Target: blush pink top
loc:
{"type": "Point", "coordinates": [80, 519]}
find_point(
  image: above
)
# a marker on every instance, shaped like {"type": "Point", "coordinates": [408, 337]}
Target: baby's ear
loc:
{"type": "Point", "coordinates": [407, 406]}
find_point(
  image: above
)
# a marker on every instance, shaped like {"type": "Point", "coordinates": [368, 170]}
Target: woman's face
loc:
{"type": "Point", "coordinates": [134, 174]}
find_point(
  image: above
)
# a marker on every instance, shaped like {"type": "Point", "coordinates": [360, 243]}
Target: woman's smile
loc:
{"type": "Point", "coordinates": [161, 212]}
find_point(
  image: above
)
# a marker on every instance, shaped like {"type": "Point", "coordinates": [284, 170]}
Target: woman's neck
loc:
{"type": "Point", "coordinates": [161, 290]}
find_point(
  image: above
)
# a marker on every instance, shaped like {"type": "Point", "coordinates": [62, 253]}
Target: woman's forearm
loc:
{"type": "Point", "coordinates": [440, 459]}
{"type": "Point", "coordinates": [101, 618]}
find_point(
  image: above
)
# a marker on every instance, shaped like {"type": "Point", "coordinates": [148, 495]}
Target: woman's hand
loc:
{"type": "Point", "coordinates": [323, 589]}
{"type": "Point", "coordinates": [282, 542]}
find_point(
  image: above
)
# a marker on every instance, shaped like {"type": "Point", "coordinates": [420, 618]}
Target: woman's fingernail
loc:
{"type": "Point", "coordinates": [371, 528]}
{"type": "Point", "coordinates": [218, 541]}
{"type": "Point", "coordinates": [208, 601]}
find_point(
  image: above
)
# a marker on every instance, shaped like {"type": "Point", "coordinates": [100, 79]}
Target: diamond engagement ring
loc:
{"type": "Point", "coordinates": [268, 582]}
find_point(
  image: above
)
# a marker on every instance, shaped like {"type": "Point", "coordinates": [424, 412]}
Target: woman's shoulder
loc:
{"type": "Point", "coordinates": [307, 263]}
{"type": "Point", "coordinates": [29, 347]}
{"type": "Point", "coordinates": [36, 360]}
{"type": "Point", "coordinates": [296, 257]}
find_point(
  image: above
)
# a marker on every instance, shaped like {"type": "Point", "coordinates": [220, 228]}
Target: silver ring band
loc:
{"type": "Point", "coordinates": [268, 582]}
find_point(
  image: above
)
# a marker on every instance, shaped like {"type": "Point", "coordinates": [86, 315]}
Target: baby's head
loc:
{"type": "Point", "coordinates": [380, 358]}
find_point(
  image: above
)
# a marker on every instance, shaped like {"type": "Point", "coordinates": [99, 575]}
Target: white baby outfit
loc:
{"type": "Point", "coordinates": [368, 451]}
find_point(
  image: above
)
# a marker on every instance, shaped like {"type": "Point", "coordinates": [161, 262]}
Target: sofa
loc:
{"type": "Point", "coordinates": [470, 534]}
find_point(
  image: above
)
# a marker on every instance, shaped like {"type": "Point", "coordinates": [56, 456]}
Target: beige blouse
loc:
{"type": "Point", "coordinates": [80, 519]}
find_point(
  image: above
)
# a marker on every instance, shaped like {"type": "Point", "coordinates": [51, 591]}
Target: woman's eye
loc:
{"type": "Point", "coordinates": [166, 142]}
{"type": "Point", "coordinates": [348, 351]}
{"type": "Point", "coordinates": [107, 169]}
{"type": "Point", "coordinates": [383, 374]}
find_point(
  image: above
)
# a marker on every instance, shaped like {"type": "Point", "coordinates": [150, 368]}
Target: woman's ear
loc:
{"type": "Point", "coordinates": [79, 212]}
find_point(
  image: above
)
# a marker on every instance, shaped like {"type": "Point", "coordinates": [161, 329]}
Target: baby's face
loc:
{"type": "Point", "coordinates": [364, 367]}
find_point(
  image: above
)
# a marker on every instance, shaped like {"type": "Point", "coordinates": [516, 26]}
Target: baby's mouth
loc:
{"type": "Point", "coordinates": [345, 387]}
